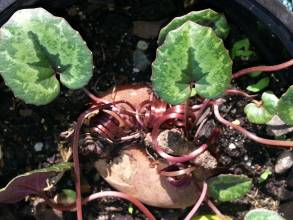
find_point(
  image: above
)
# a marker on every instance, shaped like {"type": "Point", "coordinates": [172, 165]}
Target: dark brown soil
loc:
{"type": "Point", "coordinates": [107, 26]}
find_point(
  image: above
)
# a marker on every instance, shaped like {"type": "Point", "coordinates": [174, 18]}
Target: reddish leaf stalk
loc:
{"type": "Point", "coordinates": [215, 209]}
{"type": "Point", "coordinates": [199, 202]}
{"type": "Point", "coordinates": [248, 134]}
{"type": "Point", "coordinates": [95, 196]}
{"type": "Point", "coordinates": [239, 92]}
{"type": "Point", "coordinates": [263, 69]}
{"type": "Point", "coordinates": [76, 160]}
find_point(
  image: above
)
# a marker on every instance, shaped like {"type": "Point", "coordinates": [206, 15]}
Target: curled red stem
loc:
{"type": "Point", "coordinates": [199, 202]}
{"type": "Point", "coordinates": [248, 134]}
{"type": "Point", "coordinates": [98, 195]}
{"type": "Point", "coordinates": [263, 69]}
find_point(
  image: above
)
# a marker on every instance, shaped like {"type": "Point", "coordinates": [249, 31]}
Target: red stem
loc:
{"type": "Point", "coordinates": [263, 69]}
{"type": "Point", "coordinates": [215, 209]}
{"type": "Point", "coordinates": [95, 196]}
{"type": "Point", "coordinates": [248, 134]}
{"type": "Point", "coordinates": [199, 202]}
{"type": "Point", "coordinates": [238, 92]}
{"type": "Point", "coordinates": [93, 97]}
{"type": "Point", "coordinates": [76, 160]}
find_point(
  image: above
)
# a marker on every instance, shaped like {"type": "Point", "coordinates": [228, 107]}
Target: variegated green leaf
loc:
{"type": "Point", "coordinates": [191, 53]}
{"type": "Point", "coordinates": [263, 113]}
{"type": "Point", "coordinates": [285, 106]}
{"type": "Point", "coordinates": [226, 187]}
{"type": "Point", "coordinates": [262, 214]}
{"type": "Point", "coordinates": [36, 49]}
{"type": "Point", "coordinates": [207, 17]}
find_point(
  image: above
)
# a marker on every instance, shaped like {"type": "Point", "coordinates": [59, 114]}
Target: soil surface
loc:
{"type": "Point", "coordinates": [123, 51]}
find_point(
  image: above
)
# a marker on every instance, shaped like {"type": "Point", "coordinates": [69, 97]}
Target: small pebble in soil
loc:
{"type": "Point", "coordinates": [284, 162]}
{"type": "Point", "coordinates": [38, 146]}
{"type": "Point", "coordinates": [232, 146]}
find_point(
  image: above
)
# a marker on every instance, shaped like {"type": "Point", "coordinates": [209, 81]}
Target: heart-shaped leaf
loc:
{"type": "Point", "coordinates": [32, 182]}
{"type": "Point", "coordinates": [207, 17]}
{"type": "Point", "coordinates": [37, 48]}
{"type": "Point", "coordinates": [262, 113]}
{"type": "Point", "coordinates": [226, 187]}
{"type": "Point", "coordinates": [191, 53]}
{"type": "Point", "coordinates": [262, 214]}
{"type": "Point", "coordinates": [285, 106]}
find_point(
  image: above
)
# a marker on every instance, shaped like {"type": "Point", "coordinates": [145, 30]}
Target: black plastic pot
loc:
{"type": "Point", "coordinates": [275, 20]}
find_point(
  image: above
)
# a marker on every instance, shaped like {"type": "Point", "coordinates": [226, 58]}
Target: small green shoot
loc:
{"type": "Point", "coordinates": [130, 209]}
{"type": "Point", "coordinates": [262, 214]}
{"type": "Point", "coordinates": [66, 197]}
{"type": "Point", "coordinates": [260, 85]}
{"type": "Point", "coordinates": [241, 49]}
{"type": "Point", "coordinates": [262, 112]}
{"type": "Point", "coordinates": [227, 187]}
{"type": "Point", "coordinates": [265, 175]}
{"type": "Point", "coordinates": [210, 217]}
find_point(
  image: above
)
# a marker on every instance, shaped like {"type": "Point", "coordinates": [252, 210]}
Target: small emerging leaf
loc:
{"type": "Point", "coordinates": [207, 17]}
{"type": "Point", "coordinates": [32, 182]}
{"type": "Point", "coordinates": [265, 175]}
{"type": "Point", "coordinates": [262, 214]}
{"type": "Point", "coordinates": [66, 197]}
{"type": "Point", "coordinates": [191, 53]}
{"type": "Point", "coordinates": [36, 49]}
{"type": "Point", "coordinates": [130, 209]}
{"type": "Point", "coordinates": [285, 106]}
{"type": "Point", "coordinates": [226, 187]}
{"type": "Point", "coordinates": [260, 85]}
{"type": "Point", "coordinates": [210, 217]}
{"type": "Point", "coordinates": [241, 49]}
{"type": "Point", "coordinates": [261, 114]}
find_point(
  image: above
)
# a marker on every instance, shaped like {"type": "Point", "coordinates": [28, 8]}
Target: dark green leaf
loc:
{"type": "Point", "coordinates": [191, 53]}
{"type": "Point", "coordinates": [227, 187]}
{"type": "Point", "coordinates": [37, 48]}
{"type": "Point", "coordinates": [285, 106]}
{"type": "Point", "coordinates": [207, 17]}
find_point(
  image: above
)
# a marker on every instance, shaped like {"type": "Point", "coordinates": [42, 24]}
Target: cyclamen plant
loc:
{"type": "Point", "coordinates": [192, 72]}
